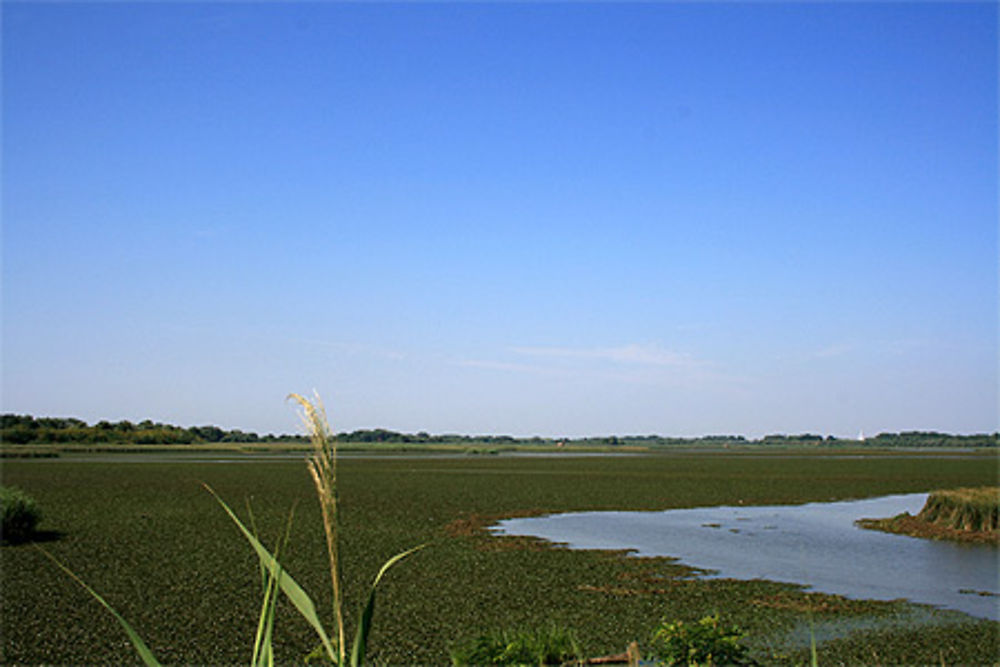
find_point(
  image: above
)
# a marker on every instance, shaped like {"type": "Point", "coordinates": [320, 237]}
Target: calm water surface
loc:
{"type": "Point", "coordinates": [816, 545]}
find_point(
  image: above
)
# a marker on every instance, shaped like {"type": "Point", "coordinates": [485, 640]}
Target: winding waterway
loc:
{"type": "Point", "coordinates": [815, 545]}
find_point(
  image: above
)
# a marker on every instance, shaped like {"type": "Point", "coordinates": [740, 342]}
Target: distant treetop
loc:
{"type": "Point", "coordinates": [24, 429]}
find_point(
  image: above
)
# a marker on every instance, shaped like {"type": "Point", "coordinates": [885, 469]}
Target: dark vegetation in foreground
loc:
{"type": "Point", "coordinates": [961, 515]}
{"type": "Point", "coordinates": [155, 544]}
{"type": "Point", "coordinates": [19, 515]}
{"type": "Point", "coordinates": [25, 429]}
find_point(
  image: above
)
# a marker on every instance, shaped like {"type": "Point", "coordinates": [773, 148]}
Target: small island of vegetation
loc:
{"type": "Point", "coordinates": [962, 515]}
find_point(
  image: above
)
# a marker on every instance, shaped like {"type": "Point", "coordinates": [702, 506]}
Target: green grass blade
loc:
{"type": "Point", "coordinates": [289, 586]}
{"type": "Point", "coordinates": [253, 529]}
{"type": "Point", "coordinates": [267, 589]}
{"type": "Point", "coordinates": [263, 653]}
{"type": "Point", "coordinates": [261, 643]}
{"type": "Point", "coordinates": [365, 622]}
{"type": "Point", "coordinates": [263, 649]}
{"type": "Point", "coordinates": [140, 646]}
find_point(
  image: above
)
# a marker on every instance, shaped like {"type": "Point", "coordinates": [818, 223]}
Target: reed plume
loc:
{"type": "Point", "coordinates": [322, 466]}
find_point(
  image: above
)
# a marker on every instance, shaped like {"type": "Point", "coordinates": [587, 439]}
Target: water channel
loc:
{"type": "Point", "coordinates": [816, 545]}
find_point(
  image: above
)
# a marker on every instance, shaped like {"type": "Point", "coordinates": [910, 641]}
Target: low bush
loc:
{"type": "Point", "coordinates": [546, 646]}
{"type": "Point", "coordinates": [706, 642]}
{"type": "Point", "coordinates": [21, 515]}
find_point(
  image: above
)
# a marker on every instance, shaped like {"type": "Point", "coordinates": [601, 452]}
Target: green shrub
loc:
{"type": "Point", "coordinates": [703, 643]}
{"type": "Point", "coordinates": [547, 646]}
{"type": "Point", "coordinates": [20, 515]}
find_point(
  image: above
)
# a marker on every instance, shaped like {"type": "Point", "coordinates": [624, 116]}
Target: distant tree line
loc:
{"type": "Point", "coordinates": [932, 439]}
{"type": "Point", "coordinates": [382, 435]}
{"type": "Point", "coordinates": [24, 429]}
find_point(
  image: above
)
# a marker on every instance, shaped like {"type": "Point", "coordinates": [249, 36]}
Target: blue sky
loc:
{"type": "Point", "coordinates": [553, 219]}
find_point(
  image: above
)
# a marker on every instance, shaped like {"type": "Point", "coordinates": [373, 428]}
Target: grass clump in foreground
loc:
{"type": "Point", "coordinates": [706, 642]}
{"type": "Point", "coordinates": [552, 645]}
{"type": "Point", "coordinates": [20, 515]}
{"type": "Point", "coordinates": [963, 515]}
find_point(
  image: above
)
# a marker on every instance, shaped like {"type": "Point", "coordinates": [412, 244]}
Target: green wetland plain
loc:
{"type": "Point", "coordinates": [143, 531]}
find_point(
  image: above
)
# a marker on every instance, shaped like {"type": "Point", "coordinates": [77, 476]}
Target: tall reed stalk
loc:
{"type": "Point", "coordinates": [322, 466]}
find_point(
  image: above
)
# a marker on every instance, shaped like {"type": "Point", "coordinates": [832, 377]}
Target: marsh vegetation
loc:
{"type": "Point", "coordinates": [960, 515]}
{"type": "Point", "coordinates": [19, 515]}
{"type": "Point", "coordinates": [159, 549]}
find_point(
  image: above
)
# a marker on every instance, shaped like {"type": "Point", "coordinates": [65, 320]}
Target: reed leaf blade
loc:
{"type": "Point", "coordinates": [360, 646]}
{"type": "Point", "coordinates": [298, 597]}
{"type": "Point", "coordinates": [140, 646]}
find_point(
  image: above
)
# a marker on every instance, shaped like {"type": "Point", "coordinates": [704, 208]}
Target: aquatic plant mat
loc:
{"type": "Point", "coordinates": [154, 543]}
{"type": "Point", "coordinates": [961, 515]}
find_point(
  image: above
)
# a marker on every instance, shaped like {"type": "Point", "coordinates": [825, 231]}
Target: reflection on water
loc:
{"type": "Point", "coordinates": [816, 545]}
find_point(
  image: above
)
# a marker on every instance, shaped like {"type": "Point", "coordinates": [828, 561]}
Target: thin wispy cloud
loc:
{"type": "Point", "coordinates": [647, 364]}
{"type": "Point", "coordinates": [500, 366]}
{"type": "Point", "coordinates": [873, 347]}
{"type": "Point", "coordinates": [355, 348]}
{"type": "Point", "coordinates": [835, 350]}
{"type": "Point", "coordinates": [282, 340]}
{"type": "Point", "coordinates": [910, 345]}
{"type": "Point", "coordinates": [633, 353]}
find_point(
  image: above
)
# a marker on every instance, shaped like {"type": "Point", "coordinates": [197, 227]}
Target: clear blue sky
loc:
{"type": "Point", "coordinates": [554, 219]}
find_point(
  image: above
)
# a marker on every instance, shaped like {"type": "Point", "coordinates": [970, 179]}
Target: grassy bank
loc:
{"type": "Point", "coordinates": [973, 510]}
{"type": "Point", "coordinates": [960, 515]}
{"type": "Point", "coordinates": [157, 546]}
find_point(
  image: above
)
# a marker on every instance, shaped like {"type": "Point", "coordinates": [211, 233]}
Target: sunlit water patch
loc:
{"type": "Point", "coordinates": [815, 545]}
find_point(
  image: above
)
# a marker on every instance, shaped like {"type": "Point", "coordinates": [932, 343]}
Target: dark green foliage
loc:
{"type": "Point", "coordinates": [148, 537]}
{"type": "Point", "coordinates": [541, 646]}
{"type": "Point", "coordinates": [25, 429]}
{"type": "Point", "coordinates": [21, 515]}
{"type": "Point", "coordinates": [933, 439]}
{"type": "Point", "coordinates": [706, 642]}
